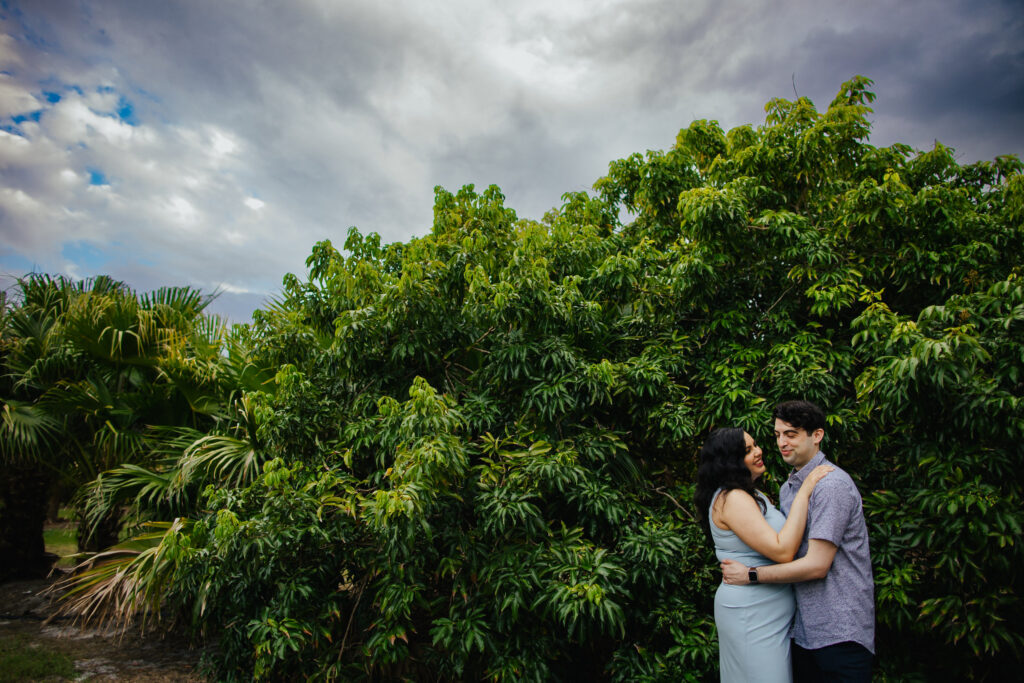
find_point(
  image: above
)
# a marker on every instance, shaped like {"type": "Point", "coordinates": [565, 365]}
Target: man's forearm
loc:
{"type": "Point", "coordinates": [814, 565]}
{"type": "Point", "coordinates": [802, 569]}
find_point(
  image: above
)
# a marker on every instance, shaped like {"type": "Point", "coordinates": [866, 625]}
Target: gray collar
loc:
{"type": "Point", "coordinates": [796, 477]}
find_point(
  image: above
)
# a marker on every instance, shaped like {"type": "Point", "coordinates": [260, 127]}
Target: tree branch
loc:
{"type": "Point", "coordinates": [685, 511]}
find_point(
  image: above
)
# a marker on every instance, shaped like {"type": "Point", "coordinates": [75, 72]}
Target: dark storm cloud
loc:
{"type": "Point", "coordinates": [947, 70]}
{"type": "Point", "coordinates": [213, 53]}
{"type": "Point", "coordinates": [659, 36]}
{"type": "Point", "coordinates": [956, 76]}
{"type": "Point", "coordinates": [526, 159]}
{"type": "Point", "coordinates": [256, 129]}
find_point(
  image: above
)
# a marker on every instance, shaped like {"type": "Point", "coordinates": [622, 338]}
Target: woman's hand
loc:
{"type": "Point", "coordinates": [817, 474]}
{"type": "Point", "coordinates": [734, 573]}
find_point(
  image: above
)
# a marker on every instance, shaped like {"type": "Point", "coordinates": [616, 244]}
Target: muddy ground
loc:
{"type": "Point", "coordinates": [98, 655]}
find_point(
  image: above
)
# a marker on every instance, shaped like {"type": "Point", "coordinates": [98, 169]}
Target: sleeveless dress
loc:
{"type": "Point", "coordinates": [753, 620]}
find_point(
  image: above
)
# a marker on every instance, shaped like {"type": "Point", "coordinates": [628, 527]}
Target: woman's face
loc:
{"type": "Point", "coordinates": [752, 457]}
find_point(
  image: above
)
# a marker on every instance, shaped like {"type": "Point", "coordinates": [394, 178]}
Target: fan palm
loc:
{"type": "Point", "coordinates": [184, 462]}
{"type": "Point", "coordinates": [83, 378]}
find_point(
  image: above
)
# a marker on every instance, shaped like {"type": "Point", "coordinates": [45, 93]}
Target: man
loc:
{"type": "Point", "coordinates": [834, 629]}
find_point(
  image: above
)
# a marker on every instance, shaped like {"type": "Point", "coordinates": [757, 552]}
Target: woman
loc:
{"type": "Point", "coordinates": [752, 621]}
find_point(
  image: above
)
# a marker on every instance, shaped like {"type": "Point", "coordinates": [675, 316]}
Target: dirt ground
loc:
{"type": "Point", "coordinates": [98, 655]}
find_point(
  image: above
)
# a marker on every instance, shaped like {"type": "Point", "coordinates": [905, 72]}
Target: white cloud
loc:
{"type": "Point", "coordinates": [72, 121]}
{"type": "Point", "coordinates": [9, 56]}
{"type": "Point", "coordinates": [221, 145]}
{"type": "Point", "coordinates": [14, 99]}
{"type": "Point", "coordinates": [232, 289]}
{"type": "Point", "coordinates": [12, 147]}
{"type": "Point", "coordinates": [103, 99]}
{"type": "Point", "coordinates": [182, 211]}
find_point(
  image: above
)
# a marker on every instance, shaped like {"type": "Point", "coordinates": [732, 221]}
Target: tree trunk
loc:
{"type": "Point", "coordinates": [22, 514]}
{"type": "Point", "coordinates": [53, 505]}
{"type": "Point", "coordinates": [104, 535]}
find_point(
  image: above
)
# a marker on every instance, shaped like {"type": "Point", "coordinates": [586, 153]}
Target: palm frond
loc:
{"type": "Point", "coordinates": [27, 431]}
{"type": "Point", "coordinates": [91, 397]}
{"type": "Point", "coordinates": [127, 582]}
{"type": "Point", "coordinates": [192, 360]}
{"type": "Point", "coordinates": [117, 445]}
{"type": "Point", "coordinates": [45, 369]}
{"type": "Point", "coordinates": [177, 302]}
{"type": "Point", "coordinates": [41, 292]}
{"type": "Point", "coordinates": [245, 374]}
{"type": "Point", "coordinates": [149, 491]}
{"type": "Point", "coordinates": [111, 327]}
{"type": "Point", "coordinates": [153, 491]}
{"type": "Point", "coordinates": [221, 459]}
{"type": "Point", "coordinates": [104, 285]}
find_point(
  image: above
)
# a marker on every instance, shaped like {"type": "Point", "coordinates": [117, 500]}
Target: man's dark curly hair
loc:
{"type": "Point", "coordinates": [722, 467]}
{"type": "Point", "coordinates": [801, 414]}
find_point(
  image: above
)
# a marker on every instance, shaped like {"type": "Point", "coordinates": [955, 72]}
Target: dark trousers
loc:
{"type": "Point", "coordinates": [847, 662]}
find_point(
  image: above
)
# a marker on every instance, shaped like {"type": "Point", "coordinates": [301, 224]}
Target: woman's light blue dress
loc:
{"type": "Point", "coordinates": [753, 620]}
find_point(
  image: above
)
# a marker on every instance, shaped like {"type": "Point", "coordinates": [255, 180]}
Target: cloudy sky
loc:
{"type": "Point", "coordinates": [213, 143]}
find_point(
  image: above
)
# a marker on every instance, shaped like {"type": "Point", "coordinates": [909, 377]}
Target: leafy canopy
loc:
{"type": "Point", "coordinates": [479, 447]}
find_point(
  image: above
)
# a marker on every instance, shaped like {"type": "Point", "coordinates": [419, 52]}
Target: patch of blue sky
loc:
{"type": "Point", "coordinates": [52, 97]}
{"type": "Point", "coordinates": [84, 255]}
{"type": "Point", "coordinates": [145, 98]}
{"type": "Point", "coordinates": [31, 116]}
{"type": "Point", "coordinates": [126, 110]}
{"type": "Point", "coordinates": [15, 265]}
{"type": "Point", "coordinates": [97, 177]}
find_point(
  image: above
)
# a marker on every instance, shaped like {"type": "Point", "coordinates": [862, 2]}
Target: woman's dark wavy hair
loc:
{"type": "Point", "coordinates": [722, 467]}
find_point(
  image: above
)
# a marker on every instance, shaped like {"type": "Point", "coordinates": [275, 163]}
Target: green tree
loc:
{"type": "Point", "coordinates": [479, 446]}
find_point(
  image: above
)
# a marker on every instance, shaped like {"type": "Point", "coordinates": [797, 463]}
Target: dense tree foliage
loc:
{"type": "Point", "coordinates": [475, 457]}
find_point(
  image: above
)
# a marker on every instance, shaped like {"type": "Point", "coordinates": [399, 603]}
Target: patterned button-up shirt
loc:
{"type": "Point", "coordinates": [841, 606]}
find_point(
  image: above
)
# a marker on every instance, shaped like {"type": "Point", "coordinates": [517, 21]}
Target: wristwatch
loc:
{"type": "Point", "coordinates": [752, 574]}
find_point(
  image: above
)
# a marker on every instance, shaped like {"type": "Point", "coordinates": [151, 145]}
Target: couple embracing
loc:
{"type": "Point", "coordinates": [822, 601]}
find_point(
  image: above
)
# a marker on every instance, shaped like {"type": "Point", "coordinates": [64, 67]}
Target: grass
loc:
{"type": "Point", "coordinates": [22, 660]}
{"type": "Point", "coordinates": [62, 541]}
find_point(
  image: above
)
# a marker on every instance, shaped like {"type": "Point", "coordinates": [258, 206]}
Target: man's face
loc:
{"type": "Point", "coordinates": [795, 444]}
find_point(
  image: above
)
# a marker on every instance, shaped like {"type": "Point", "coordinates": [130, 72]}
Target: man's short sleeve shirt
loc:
{"type": "Point", "coordinates": [841, 606]}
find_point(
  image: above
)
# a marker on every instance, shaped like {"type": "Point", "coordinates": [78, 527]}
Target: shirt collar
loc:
{"type": "Point", "coordinates": [797, 476]}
